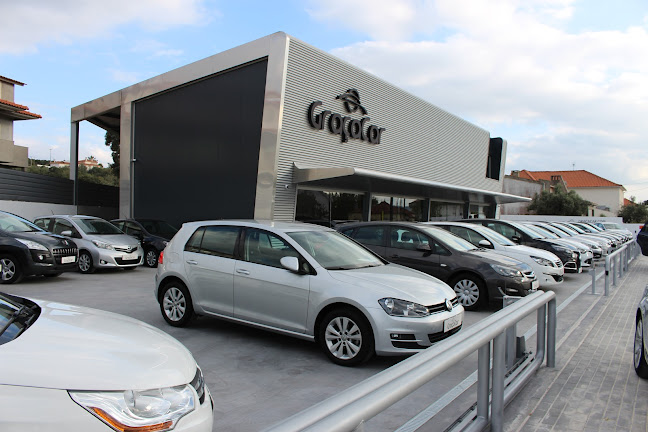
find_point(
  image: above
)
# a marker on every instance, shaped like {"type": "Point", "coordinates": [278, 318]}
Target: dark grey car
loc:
{"type": "Point", "coordinates": [478, 276]}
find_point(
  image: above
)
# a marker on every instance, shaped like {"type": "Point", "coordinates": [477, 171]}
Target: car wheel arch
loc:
{"type": "Point", "coordinates": [341, 305]}
{"type": "Point", "coordinates": [166, 280]}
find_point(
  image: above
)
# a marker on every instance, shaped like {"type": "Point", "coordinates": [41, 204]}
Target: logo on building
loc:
{"type": "Point", "coordinates": [345, 126]}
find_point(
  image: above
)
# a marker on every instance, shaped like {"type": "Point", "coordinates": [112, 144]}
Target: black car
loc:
{"type": "Point", "coordinates": [154, 235]}
{"type": "Point", "coordinates": [477, 275]}
{"type": "Point", "coordinates": [27, 250]}
{"type": "Point", "coordinates": [569, 255]}
{"type": "Point", "coordinates": [642, 239]}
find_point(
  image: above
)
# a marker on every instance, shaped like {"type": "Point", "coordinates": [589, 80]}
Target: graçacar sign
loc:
{"type": "Point", "coordinates": [345, 126]}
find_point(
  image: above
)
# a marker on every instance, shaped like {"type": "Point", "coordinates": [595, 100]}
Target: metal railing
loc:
{"type": "Point", "coordinates": [349, 410]}
{"type": "Point", "coordinates": [616, 265]}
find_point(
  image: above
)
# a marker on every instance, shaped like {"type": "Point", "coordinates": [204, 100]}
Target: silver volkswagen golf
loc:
{"type": "Point", "coordinates": [306, 281]}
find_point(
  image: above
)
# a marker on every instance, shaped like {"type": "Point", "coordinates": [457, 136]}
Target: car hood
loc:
{"type": "Point", "coordinates": [114, 239]}
{"type": "Point", "coordinates": [393, 280]}
{"type": "Point", "coordinates": [45, 238]}
{"type": "Point", "coordinates": [490, 257]}
{"type": "Point", "coordinates": [76, 348]}
{"type": "Point", "coordinates": [531, 251]}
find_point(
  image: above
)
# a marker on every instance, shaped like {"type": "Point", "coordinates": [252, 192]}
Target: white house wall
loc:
{"type": "Point", "coordinates": [420, 139]}
{"type": "Point", "coordinates": [600, 196]}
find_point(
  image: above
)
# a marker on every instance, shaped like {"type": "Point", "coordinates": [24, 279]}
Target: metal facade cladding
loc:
{"type": "Point", "coordinates": [196, 148]}
{"type": "Point", "coordinates": [419, 139]}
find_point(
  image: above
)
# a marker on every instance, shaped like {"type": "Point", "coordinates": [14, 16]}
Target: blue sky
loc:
{"type": "Point", "coordinates": [565, 82]}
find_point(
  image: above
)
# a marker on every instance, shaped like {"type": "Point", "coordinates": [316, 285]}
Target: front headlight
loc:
{"type": "Point", "coordinates": [131, 410]}
{"type": "Point", "coordinates": [542, 261]}
{"type": "Point", "coordinates": [32, 244]}
{"type": "Point", "coordinates": [402, 308]}
{"type": "Point", "coordinates": [507, 271]}
{"type": "Point", "coordinates": [103, 245]}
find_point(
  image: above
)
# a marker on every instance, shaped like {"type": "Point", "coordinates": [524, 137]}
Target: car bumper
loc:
{"type": "Point", "coordinates": [401, 335]}
{"type": "Point", "coordinates": [498, 288]}
{"type": "Point", "coordinates": [38, 264]}
{"type": "Point", "coordinates": [113, 259]}
{"type": "Point", "coordinates": [551, 276]}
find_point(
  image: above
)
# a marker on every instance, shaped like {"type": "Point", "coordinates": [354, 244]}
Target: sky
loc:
{"type": "Point", "coordinates": [565, 82]}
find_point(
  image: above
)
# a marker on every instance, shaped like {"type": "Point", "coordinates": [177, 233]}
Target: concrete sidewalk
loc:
{"type": "Point", "coordinates": [594, 386]}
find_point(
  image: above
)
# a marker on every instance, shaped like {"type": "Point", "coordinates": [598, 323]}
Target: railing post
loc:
{"type": "Point", "coordinates": [551, 333]}
{"type": "Point", "coordinates": [511, 336]}
{"type": "Point", "coordinates": [615, 270]}
{"type": "Point", "coordinates": [593, 270]}
{"type": "Point", "coordinates": [607, 275]}
{"type": "Point", "coordinates": [483, 381]}
{"type": "Point", "coordinates": [499, 372]}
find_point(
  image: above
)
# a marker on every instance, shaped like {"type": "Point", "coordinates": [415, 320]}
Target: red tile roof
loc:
{"type": "Point", "coordinates": [10, 81]}
{"type": "Point", "coordinates": [574, 179]}
{"type": "Point", "coordinates": [16, 110]}
{"type": "Point", "coordinates": [13, 104]}
{"type": "Point", "coordinates": [626, 202]}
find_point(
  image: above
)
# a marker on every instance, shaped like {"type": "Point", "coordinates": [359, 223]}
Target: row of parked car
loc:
{"type": "Point", "coordinates": [58, 243]}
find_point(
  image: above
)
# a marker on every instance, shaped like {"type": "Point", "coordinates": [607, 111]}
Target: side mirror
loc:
{"type": "Point", "coordinates": [67, 233]}
{"type": "Point", "coordinates": [290, 263]}
{"type": "Point", "coordinates": [516, 239]}
{"type": "Point", "coordinates": [485, 244]}
{"type": "Point", "coordinates": [425, 247]}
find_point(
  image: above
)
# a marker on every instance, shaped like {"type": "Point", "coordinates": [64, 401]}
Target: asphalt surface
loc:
{"type": "Point", "coordinates": [259, 378]}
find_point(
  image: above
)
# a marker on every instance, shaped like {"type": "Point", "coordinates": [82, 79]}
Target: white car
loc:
{"type": "Point", "coordinates": [546, 265]}
{"type": "Point", "coordinates": [306, 281]}
{"type": "Point", "coordinates": [69, 368]}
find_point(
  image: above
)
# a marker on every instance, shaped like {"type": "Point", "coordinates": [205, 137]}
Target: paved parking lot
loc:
{"type": "Point", "coordinates": [258, 378]}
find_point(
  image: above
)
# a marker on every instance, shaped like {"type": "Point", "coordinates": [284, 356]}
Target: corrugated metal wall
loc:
{"type": "Point", "coordinates": [421, 140]}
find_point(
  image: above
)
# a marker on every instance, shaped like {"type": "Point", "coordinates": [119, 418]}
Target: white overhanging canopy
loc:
{"type": "Point", "coordinates": [376, 182]}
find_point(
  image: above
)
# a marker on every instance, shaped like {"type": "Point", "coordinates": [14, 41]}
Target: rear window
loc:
{"type": "Point", "coordinates": [214, 240]}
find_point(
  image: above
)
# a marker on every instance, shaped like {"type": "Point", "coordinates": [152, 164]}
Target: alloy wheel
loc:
{"type": "Point", "coordinates": [638, 344]}
{"type": "Point", "coordinates": [8, 269]}
{"type": "Point", "coordinates": [343, 338]}
{"type": "Point", "coordinates": [467, 291]}
{"type": "Point", "coordinates": [174, 304]}
{"type": "Point", "coordinates": [151, 258]}
{"type": "Point", "coordinates": [85, 262]}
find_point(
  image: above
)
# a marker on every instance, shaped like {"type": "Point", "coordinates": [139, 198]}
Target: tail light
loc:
{"type": "Point", "coordinates": [161, 259]}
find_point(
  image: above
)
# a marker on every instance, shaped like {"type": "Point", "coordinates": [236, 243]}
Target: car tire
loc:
{"type": "Point", "coordinates": [470, 290]}
{"type": "Point", "coordinates": [11, 269]}
{"type": "Point", "coordinates": [175, 304]}
{"type": "Point", "coordinates": [85, 264]}
{"type": "Point", "coordinates": [640, 365]}
{"type": "Point", "coordinates": [346, 337]}
{"type": "Point", "coordinates": [151, 258]}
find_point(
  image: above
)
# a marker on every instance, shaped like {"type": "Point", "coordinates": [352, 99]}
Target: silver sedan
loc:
{"type": "Point", "coordinates": [306, 281]}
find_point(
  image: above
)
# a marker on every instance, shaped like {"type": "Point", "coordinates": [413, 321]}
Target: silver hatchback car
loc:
{"type": "Point", "coordinates": [100, 243]}
{"type": "Point", "coordinates": [306, 281]}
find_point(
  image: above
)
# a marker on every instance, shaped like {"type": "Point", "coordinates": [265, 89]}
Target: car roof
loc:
{"type": "Point", "coordinates": [262, 224]}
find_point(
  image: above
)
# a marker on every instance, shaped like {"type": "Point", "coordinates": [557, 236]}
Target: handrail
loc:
{"type": "Point", "coordinates": [348, 410]}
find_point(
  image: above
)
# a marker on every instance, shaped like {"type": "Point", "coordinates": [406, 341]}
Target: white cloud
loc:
{"type": "Point", "coordinates": [124, 77]}
{"type": "Point", "coordinates": [154, 48]}
{"type": "Point", "coordinates": [511, 67]}
{"type": "Point", "coordinates": [26, 25]}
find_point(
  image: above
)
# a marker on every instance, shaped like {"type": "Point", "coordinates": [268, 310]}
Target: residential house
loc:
{"type": "Point", "coordinates": [12, 155]}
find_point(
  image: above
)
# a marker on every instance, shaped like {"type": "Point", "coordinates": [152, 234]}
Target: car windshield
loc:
{"type": "Point", "coordinates": [158, 227]}
{"type": "Point", "coordinates": [526, 230]}
{"type": "Point", "coordinates": [494, 236]}
{"type": "Point", "coordinates": [543, 232]}
{"type": "Point", "coordinates": [554, 230]}
{"type": "Point", "coordinates": [448, 239]}
{"type": "Point", "coordinates": [569, 229]}
{"type": "Point", "coordinates": [15, 316]}
{"type": "Point", "coordinates": [97, 226]}
{"type": "Point", "coordinates": [609, 225]}
{"type": "Point", "coordinates": [12, 223]}
{"type": "Point", "coordinates": [334, 251]}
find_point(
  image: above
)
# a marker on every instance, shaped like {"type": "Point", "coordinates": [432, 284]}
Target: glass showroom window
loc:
{"type": "Point", "coordinates": [397, 209]}
{"type": "Point", "coordinates": [327, 208]}
{"type": "Point", "coordinates": [440, 211]}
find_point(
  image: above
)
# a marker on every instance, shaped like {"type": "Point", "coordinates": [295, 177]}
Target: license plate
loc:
{"type": "Point", "coordinates": [68, 259]}
{"type": "Point", "coordinates": [451, 323]}
{"type": "Point", "coordinates": [535, 285]}
{"type": "Point", "coordinates": [131, 256]}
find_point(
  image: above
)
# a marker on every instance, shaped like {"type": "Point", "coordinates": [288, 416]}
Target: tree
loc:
{"type": "Point", "coordinates": [560, 202]}
{"type": "Point", "coordinates": [112, 141]}
{"type": "Point", "coordinates": [634, 213]}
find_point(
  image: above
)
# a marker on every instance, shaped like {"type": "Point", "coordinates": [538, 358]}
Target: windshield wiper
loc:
{"type": "Point", "coordinates": [16, 315]}
{"type": "Point", "coordinates": [12, 318]}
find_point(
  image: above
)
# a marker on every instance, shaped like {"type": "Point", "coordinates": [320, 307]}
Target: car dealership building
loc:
{"type": "Point", "coordinates": [278, 129]}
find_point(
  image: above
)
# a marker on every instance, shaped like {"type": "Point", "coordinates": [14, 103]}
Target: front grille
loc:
{"type": "Point", "coordinates": [120, 261]}
{"type": "Point", "coordinates": [59, 252]}
{"type": "Point", "coordinates": [529, 274]}
{"type": "Point", "coordinates": [441, 307]}
{"type": "Point", "coordinates": [436, 337]}
{"type": "Point", "coordinates": [127, 249]}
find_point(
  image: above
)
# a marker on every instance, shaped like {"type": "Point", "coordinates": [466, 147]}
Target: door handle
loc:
{"type": "Point", "coordinates": [192, 262]}
{"type": "Point", "coordinates": [243, 272]}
